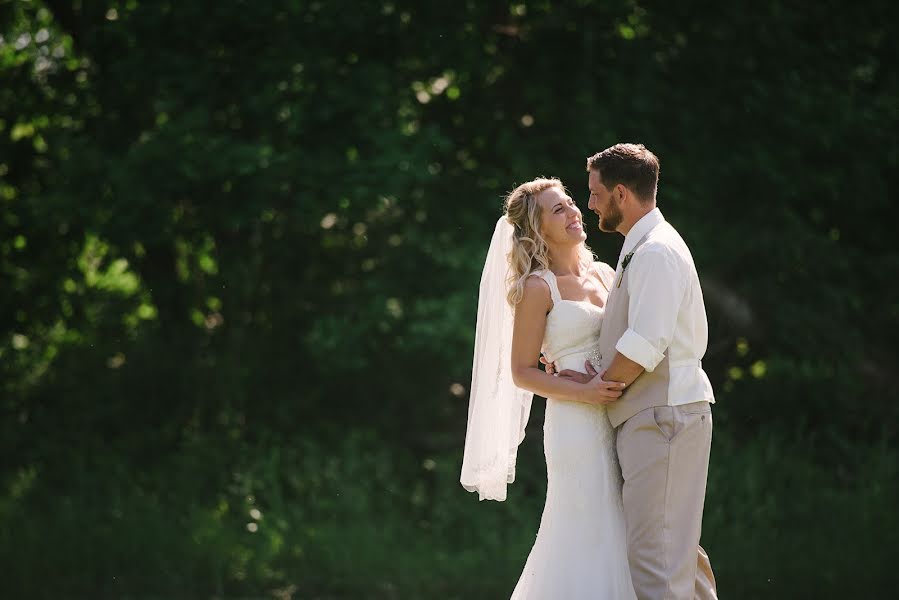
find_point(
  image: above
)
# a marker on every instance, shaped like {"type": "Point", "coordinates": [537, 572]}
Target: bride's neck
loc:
{"type": "Point", "coordinates": [565, 261]}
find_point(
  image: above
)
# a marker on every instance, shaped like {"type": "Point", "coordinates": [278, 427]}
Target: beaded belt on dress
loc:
{"type": "Point", "coordinates": [592, 352]}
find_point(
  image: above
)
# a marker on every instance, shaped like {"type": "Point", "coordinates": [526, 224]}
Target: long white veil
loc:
{"type": "Point", "coordinates": [497, 411]}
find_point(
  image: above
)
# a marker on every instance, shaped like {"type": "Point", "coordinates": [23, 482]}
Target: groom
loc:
{"type": "Point", "coordinates": [653, 336]}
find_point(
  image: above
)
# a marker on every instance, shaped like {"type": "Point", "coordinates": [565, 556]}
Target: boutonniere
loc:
{"type": "Point", "coordinates": [624, 264]}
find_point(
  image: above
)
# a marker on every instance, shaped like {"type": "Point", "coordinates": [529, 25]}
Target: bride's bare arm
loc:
{"type": "Point", "coordinates": [527, 338]}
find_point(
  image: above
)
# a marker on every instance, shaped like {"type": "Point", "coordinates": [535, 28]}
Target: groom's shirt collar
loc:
{"type": "Point", "coordinates": [640, 228]}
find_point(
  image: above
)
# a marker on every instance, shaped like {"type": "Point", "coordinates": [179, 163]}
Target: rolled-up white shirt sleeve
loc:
{"type": "Point", "coordinates": [656, 286]}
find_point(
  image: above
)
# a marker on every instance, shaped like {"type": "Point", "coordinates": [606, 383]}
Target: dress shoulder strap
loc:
{"type": "Point", "coordinates": [550, 278]}
{"type": "Point", "coordinates": [606, 273]}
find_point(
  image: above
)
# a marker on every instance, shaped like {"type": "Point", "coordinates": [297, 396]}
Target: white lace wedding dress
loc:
{"type": "Point", "coordinates": [581, 547]}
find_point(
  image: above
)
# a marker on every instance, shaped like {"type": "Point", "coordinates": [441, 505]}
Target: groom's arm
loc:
{"type": "Point", "coordinates": [656, 286]}
{"type": "Point", "coordinates": [623, 370]}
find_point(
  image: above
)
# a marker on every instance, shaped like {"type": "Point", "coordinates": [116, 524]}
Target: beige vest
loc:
{"type": "Point", "coordinates": [649, 389]}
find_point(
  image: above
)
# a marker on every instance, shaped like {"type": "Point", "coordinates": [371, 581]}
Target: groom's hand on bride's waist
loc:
{"type": "Point", "coordinates": [596, 389]}
{"type": "Point", "coordinates": [548, 365]}
{"type": "Point", "coordinates": [578, 376]}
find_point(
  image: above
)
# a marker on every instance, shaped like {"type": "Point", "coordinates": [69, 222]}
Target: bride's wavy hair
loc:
{"type": "Point", "coordinates": [530, 252]}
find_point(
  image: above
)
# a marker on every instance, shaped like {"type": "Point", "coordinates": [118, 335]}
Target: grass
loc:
{"type": "Point", "coordinates": [364, 518]}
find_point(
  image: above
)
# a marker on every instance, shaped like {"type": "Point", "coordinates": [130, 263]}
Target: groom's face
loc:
{"type": "Point", "coordinates": [603, 203]}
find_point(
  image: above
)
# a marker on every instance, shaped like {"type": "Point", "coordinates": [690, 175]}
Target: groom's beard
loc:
{"type": "Point", "coordinates": [610, 219]}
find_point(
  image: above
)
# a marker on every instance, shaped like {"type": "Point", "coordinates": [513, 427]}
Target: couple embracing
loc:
{"type": "Point", "coordinates": [628, 423]}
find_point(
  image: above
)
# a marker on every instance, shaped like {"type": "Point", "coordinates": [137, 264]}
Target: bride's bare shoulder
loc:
{"type": "Point", "coordinates": [605, 270]}
{"type": "Point", "coordinates": [604, 267]}
{"type": "Point", "coordinates": [536, 286]}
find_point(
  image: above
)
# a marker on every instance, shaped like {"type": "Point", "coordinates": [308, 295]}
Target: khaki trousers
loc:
{"type": "Point", "coordinates": [664, 456]}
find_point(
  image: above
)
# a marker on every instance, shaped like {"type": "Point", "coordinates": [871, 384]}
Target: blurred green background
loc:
{"type": "Point", "coordinates": [240, 250]}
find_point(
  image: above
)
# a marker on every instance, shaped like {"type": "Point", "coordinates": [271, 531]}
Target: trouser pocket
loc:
{"type": "Point", "coordinates": [664, 418]}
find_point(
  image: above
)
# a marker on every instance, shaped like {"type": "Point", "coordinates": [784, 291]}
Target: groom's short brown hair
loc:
{"type": "Point", "coordinates": [633, 165]}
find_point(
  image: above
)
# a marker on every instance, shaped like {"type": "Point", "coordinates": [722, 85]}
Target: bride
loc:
{"type": "Point", "coordinates": [541, 291]}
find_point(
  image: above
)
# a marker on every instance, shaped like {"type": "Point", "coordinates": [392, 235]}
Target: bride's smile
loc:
{"type": "Point", "coordinates": [562, 222]}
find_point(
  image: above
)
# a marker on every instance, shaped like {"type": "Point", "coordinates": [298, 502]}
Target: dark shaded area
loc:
{"type": "Point", "coordinates": [240, 251]}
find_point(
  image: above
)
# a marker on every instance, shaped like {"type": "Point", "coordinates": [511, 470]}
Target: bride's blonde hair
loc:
{"type": "Point", "coordinates": [530, 252]}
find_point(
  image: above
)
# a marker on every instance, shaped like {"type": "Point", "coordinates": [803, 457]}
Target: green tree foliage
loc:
{"type": "Point", "coordinates": [240, 251]}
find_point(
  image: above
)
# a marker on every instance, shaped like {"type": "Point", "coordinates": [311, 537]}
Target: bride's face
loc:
{"type": "Point", "coordinates": [561, 221]}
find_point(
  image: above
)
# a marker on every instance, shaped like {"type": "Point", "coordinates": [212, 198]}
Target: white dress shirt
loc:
{"type": "Point", "coordinates": [666, 314]}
